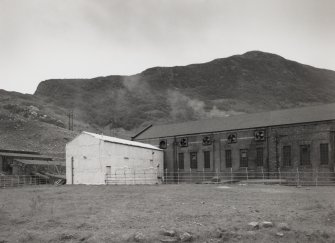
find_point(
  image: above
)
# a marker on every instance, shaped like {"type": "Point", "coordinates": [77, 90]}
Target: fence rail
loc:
{"type": "Point", "coordinates": [296, 178]}
{"type": "Point", "coordinates": [21, 180]}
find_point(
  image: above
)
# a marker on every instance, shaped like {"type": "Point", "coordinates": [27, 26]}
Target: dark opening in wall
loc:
{"type": "Point", "coordinates": [243, 158]}
{"type": "Point", "coordinates": [324, 153]}
{"type": "Point", "coordinates": [305, 154]}
{"type": "Point", "coordinates": [193, 160]}
{"type": "Point", "coordinates": [287, 155]}
{"type": "Point", "coordinates": [207, 160]}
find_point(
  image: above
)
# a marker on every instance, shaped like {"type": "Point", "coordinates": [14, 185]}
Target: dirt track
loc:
{"type": "Point", "coordinates": [117, 213]}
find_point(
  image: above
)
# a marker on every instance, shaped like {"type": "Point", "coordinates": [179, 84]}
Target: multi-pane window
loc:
{"type": "Point", "coordinates": [193, 160]}
{"type": "Point", "coordinates": [243, 158]}
{"type": "Point", "coordinates": [259, 156]}
{"type": "Point", "coordinates": [305, 158]}
{"type": "Point", "coordinates": [181, 161]}
{"type": "Point", "coordinates": [207, 160]}
{"type": "Point", "coordinates": [228, 159]}
{"type": "Point", "coordinates": [287, 155]}
{"type": "Point", "coordinates": [324, 154]}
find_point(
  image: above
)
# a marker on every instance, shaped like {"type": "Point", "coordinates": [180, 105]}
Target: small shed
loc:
{"type": "Point", "coordinates": [97, 159]}
{"type": "Point", "coordinates": [13, 162]}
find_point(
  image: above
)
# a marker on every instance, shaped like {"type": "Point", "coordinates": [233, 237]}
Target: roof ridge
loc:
{"type": "Point", "coordinates": [244, 121]}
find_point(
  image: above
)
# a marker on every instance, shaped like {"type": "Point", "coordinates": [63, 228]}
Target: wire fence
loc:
{"type": "Point", "coordinates": [128, 176]}
{"type": "Point", "coordinates": [21, 180]}
{"type": "Point", "coordinates": [245, 176]}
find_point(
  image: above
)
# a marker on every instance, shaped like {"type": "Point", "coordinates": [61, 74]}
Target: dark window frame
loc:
{"type": "Point", "coordinates": [287, 155]}
{"type": "Point", "coordinates": [244, 161]}
{"type": "Point", "coordinates": [181, 161]}
{"type": "Point", "coordinates": [260, 156]}
{"type": "Point", "coordinates": [194, 163]}
{"type": "Point", "coordinates": [207, 159]}
{"type": "Point", "coordinates": [163, 143]}
{"type": "Point", "coordinates": [183, 142]}
{"type": "Point", "coordinates": [228, 158]}
{"type": "Point", "coordinates": [305, 159]}
{"type": "Point", "coordinates": [324, 153]}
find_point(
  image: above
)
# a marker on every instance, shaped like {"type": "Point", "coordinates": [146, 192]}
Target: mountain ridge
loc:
{"type": "Point", "coordinates": [251, 82]}
{"type": "Point", "coordinates": [221, 85]}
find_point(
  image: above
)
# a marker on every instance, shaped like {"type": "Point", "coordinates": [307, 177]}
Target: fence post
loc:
{"type": "Point", "coordinates": [316, 177]}
{"type": "Point", "coordinates": [217, 176]}
{"type": "Point", "coordinates": [115, 177]}
{"type": "Point", "coordinates": [203, 174]}
{"type": "Point", "coordinates": [231, 175]}
{"type": "Point", "coordinates": [279, 175]}
{"type": "Point", "coordinates": [157, 176]}
{"type": "Point", "coordinates": [298, 179]}
{"type": "Point", "coordinates": [263, 175]}
{"type": "Point", "coordinates": [190, 175]}
{"type": "Point", "coordinates": [246, 171]}
{"type": "Point", "coordinates": [166, 176]}
{"type": "Point", "coordinates": [178, 176]}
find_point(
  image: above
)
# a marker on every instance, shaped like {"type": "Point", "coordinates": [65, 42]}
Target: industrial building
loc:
{"type": "Point", "coordinates": [97, 159]}
{"type": "Point", "coordinates": [282, 140]}
{"type": "Point", "coordinates": [19, 162]}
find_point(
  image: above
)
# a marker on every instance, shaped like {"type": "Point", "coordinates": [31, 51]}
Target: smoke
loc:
{"type": "Point", "coordinates": [134, 84]}
{"type": "Point", "coordinates": [184, 107]}
{"type": "Point", "coordinates": [215, 112]}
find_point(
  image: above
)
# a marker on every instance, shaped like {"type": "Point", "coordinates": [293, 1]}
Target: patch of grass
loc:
{"type": "Point", "coordinates": [117, 213]}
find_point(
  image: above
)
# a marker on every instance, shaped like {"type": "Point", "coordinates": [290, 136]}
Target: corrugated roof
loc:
{"type": "Point", "coordinates": [26, 156]}
{"type": "Point", "coordinates": [122, 141]}
{"type": "Point", "coordinates": [40, 162]}
{"type": "Point", "coordinates": [245, 121]}
{"type": "Point", "coordinates": [18, 151]}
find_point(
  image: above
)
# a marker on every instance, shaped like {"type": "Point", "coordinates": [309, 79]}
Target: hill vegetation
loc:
{"type": "Point", "coordinates": [252, 82]}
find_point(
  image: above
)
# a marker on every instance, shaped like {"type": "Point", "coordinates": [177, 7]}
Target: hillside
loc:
{"type": "Point", "coordinates": [254, 81]}
{"type": "Point", "coordinates": [26, 123]}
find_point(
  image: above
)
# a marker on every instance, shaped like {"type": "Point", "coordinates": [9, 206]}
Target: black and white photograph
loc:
{"type": "Point", "coordinates": [167, 121]}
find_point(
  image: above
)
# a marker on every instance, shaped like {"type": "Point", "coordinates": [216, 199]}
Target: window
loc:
{"type": "Point", "coordinates": [207, 160]}
{"type": "Point", "coordinates": [259, 156]}
{"type": "Point", "coordinates": [207, 140]}
{"type": "Point", "coordinates": [243, 158]}
{"type": "Point", "coordinates": [193, 160]}
{"type": "Point", "coordinates": [287, 155]}
{"type": "Point", "coordinates": [108, 170]}
{"type": "Point", "coordinates": [181, 161]}
{"type": "Point", "coordinates": [260, 135]}
{"type": "Point", "coordinates": [228, 159]}
{"type": "Point", "coordinates": [232, 138]}
{"type": "Point", "coordinates": [324, 157]}
{"type": "Point", "coordinates": [163, 144]}
{"type": "Point", "coordinates": [183, 142]}
{"type": "Point", "coordinates": [305, 154]}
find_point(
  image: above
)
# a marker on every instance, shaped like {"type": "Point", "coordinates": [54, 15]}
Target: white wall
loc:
{"type": "Point", "coordinates": [92, 155]}
{"type": "Point", "coordinates": [132, 165]}
{"type": "Point", "coordinates": [87, 168]}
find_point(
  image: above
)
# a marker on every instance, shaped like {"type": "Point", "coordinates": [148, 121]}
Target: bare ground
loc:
{"type": "Point", "coordinates": [210, 213]}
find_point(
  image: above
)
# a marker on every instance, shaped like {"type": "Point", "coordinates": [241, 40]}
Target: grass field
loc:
{"type": "Point", "coordinates": [210, 213]}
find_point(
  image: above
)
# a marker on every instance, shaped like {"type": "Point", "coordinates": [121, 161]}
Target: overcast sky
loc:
{"type": "Point", "coordinates": [45, 39]}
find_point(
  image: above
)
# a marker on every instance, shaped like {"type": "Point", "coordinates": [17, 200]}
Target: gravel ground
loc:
{"type": "Point", "coordinates": [166, 213]}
